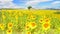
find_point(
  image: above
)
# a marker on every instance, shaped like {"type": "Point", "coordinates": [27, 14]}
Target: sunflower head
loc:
{"type": "Point", "coordinates": [46, 26]}
{"type": "Point", "coordinates": [41, 20]}
{"type": "Point", "coordinates": [32, 25]}
{"type": "Point", "coordinates": [27, 27]}
{"type": "Point", "coordinates": [31, 17]}
{"type": "Point", "coordinates": [3, 16]}
{"type": "Point", "coordinates": [10, 25]}
{"type": "Point", "coordinates": [28, 32]}
{"type": "Point", "coordinates": [9, 31]}
{"type": "Point", "coordinates": [47, 19]}
{"type": "Point", "coordinates": [2, 26]}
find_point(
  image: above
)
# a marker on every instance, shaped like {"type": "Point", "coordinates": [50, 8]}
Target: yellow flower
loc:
{"type": "Point", "coordinates": [31, 17]}
{"type": "Point", "coordinates": [16, 17]}
{"type": "Point", "coordinates": [27, 27]}
{"type": "Point", "coordinates": [20, 14]}
{"type": "Point", "coordinates": [41, 20]}
{"type": "Point", "coordinates": [47, 19]}
{"type": "Point", "coordinates": [10, 11]}
{"type": "Point", "coordinates": [27, 32]}
{"type": "Point", "coordinates": [3, 16]}
{"type": "Point", "coordinates": [2, 26]}
{"type": "Point", "coordinates": [32, 25]}
{"type": "Point", "coordinates": [10, 25]}
{"type": "Point", "coordinates": [9, 31]}
{"type": "Point", "coordinates": [46, 26]}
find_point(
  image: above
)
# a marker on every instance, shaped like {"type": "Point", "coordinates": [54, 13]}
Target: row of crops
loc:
{"type": "Point", "coordinates": [27, 22]}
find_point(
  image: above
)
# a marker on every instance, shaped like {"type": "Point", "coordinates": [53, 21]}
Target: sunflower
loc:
{"type": "Point", "coordinates": [46, 26]}
{"type": "Point", "coordinates": [27, 27]}
{"type": "Point", "coordinates": [31, 17]}
{"type": "Point", "coordinates": [3, 16]}
{"type": "Point", "coordinates": [47, 19]}
{"type": "Point", "coordinates": [9, 31]}
{"type": "Point", "coordinates": [2, 26]}
{"type": "Point", "coordinates": [10, 25]}
{"type": "Point", "coordinates": [16, 17]}
{"type": "Point", "coordinates": [28, 32]}
{"type": "Point", "coordinates": [32, 25]}
{"type": "Point", "coordinates": [41, 20]}
{"type": "Point", "coordinates": [10, 11]}
{"type": "Point", "coordinates": [20, 14]}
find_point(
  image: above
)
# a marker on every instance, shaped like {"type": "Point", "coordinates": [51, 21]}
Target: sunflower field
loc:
{"type": "Point", "coordinates": [29, 21]}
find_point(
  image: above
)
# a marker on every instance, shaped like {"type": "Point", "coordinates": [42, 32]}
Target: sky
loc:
{"type": "Point", "coordinates": [39, 4]}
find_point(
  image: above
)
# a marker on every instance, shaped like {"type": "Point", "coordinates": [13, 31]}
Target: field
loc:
{"type": "Point", "coordinates": [33, 21]}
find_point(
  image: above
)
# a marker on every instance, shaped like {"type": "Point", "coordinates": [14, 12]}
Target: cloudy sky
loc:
{"type": "Point", "coordinates": [42, 4]}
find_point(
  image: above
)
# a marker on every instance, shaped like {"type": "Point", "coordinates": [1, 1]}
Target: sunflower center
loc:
{"type": "Point", "coordinates": [46, 20]}
{"type": "Point", "coordinates": [33, 24]}
{"type": "Point", "coordinates": [10, 25]}
{"type": "Point", "coordinates": [27, 26]}
{"type": "Point", "coordinates": [28, 32]}
{"type": "Point", "coordinates": [46, 25]}
{"type": "Point", "coordinates": [9, 31]}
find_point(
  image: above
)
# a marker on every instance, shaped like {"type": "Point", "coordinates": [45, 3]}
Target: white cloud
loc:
{"type": "Point", "coordinates": [56, 2]}
{"type": "Point", "coordinates": [34, 2]}
{"type": "Point", "coordinates": [43, 7]}
{"type": "Point", "coordinates": [8, 4]}
{"type": "Point", "coordinates": [6, 0]}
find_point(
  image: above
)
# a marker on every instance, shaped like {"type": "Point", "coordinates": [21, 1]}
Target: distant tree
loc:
{"type": "Point", "coordinates": [29, 7]}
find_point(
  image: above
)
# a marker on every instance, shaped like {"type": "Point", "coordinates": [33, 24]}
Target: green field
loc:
{"type": "Point", "coordinates": [33, 21]}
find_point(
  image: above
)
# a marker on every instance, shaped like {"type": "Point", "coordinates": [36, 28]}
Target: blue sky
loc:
{"type": "Point", "coordinates": [40, 4]}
